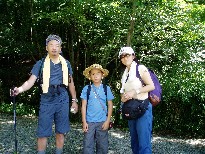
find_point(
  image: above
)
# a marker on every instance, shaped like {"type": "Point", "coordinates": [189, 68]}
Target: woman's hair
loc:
{"type": "Point", "coordinates": [136, 60]}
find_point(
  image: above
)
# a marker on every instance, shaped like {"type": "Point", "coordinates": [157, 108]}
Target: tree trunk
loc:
{"type": "Point", "coordinates": [132, 24]}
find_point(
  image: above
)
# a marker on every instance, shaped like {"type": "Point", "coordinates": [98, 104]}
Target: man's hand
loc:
{"type": "Point", "coordinates": [75, 106]}
{"type": "Point", "coordinates": [15, 91]}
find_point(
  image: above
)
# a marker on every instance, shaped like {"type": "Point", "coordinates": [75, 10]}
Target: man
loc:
{"type": "Point", "coordinates": [56, 74]}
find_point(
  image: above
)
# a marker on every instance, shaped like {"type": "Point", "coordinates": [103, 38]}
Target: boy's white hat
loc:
{"type": "Point", "coordinates": [125, 50]}
{"type": "Point", "coordinates": [86, 72]}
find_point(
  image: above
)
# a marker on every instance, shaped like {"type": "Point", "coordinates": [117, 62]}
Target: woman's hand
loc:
{"type": "Point", "coordinates": [127, 95]}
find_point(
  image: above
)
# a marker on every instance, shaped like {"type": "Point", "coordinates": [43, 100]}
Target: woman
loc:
{"type": "Point", "coordinates": [132, 88]}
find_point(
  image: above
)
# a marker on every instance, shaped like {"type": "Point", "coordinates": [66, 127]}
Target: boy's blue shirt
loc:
{"type": "Point", "coordinates": [95, 112]}
{"type": "Point", "coordinates": [56, 78]}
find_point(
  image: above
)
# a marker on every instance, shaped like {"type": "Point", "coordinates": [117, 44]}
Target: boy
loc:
{"type": "Point", "coordinates": [95, 113]}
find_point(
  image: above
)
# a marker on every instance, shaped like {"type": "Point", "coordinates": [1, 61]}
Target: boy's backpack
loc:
{"type": "Point", "coordinates": [154, 95]}
{"type": "Point", "coordinates": [89, 89]}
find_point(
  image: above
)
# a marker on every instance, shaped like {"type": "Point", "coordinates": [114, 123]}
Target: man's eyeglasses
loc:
{"type": "Point", "coordinates": [125, 55]}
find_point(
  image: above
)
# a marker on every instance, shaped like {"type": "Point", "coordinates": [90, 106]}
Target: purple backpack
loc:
{"type": "Point", "coordinates": [154, 95]}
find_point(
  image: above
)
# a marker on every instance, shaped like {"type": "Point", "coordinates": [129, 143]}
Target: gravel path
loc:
{"type": "Point", "coordinates": [119, 142]}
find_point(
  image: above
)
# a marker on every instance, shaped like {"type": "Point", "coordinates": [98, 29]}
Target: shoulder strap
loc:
{"type": "Point", "coordinates": [68, 65]}
{"type": "Point", "coordinates": [88, 92]}
{"type": "Point", "coordinates": [105, 90]}
{"type": "Point", "coordinates": [39, 78]}
{"type": "Point", "coordinates": [138, 74]}
{"type": "Point", "coordinates": [41, 68]}
{"type": "Point", "coordinates": [89, 89]}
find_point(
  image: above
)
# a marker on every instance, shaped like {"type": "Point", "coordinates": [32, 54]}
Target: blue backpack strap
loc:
{"type": "Point", "coordinates": [41, 69]}
{"type": "Point", "coordinates": [40, 76]}
{"type": "Point", "coordinates": [40, 73]}
{"type": "Point", "coordinates": [105, 90]}
{"type": "Point", "coordinates": [69, 74]}
{"type": "Point", "coordinates": [88, 92]}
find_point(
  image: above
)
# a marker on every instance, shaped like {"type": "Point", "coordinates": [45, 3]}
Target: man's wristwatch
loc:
{"type": "Point", "coordinates": [75, 100]}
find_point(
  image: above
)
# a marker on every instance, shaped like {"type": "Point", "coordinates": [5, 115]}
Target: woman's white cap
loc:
{"type": "Point", "coordinates": [125, 50]}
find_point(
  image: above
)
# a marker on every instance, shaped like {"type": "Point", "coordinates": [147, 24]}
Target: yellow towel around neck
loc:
{"type": "Point", "coordinates": [46, 72]}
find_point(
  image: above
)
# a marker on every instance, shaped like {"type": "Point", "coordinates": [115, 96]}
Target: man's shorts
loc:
{"type": "Point", "coordinates": [49, 113]}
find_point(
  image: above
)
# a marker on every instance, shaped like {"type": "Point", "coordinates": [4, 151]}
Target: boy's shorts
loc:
{"type": "Point", "coordinates": [49, 113]}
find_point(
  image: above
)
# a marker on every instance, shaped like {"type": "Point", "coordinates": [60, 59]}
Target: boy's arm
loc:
{"type": "Point", "coordinates": [83, 110]}
{"type": "Point", "coordinates": [110, 109]}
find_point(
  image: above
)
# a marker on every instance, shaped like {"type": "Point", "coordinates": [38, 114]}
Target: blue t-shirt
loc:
{"type": "Point", "coordinates": [56, 78]}
{"type": "Point", "coordinates": [95, 111]}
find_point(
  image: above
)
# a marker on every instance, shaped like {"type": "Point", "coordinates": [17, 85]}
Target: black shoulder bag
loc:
{"type": "Point", "coordinates": [134, 108]}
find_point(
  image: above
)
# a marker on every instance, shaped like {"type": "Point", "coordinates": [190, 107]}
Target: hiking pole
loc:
{"type": "Point", "coordinates": [14, 110]}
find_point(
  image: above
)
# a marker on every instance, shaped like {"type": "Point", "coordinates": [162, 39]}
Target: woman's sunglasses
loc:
{"type": "Point", "coordinates": [125, 55]}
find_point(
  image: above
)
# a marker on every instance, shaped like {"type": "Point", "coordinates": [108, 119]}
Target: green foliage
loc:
{"type": "Point", "coordinates": [21, 109]}
{"type": "Point", "coordinates": [183, 106]}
